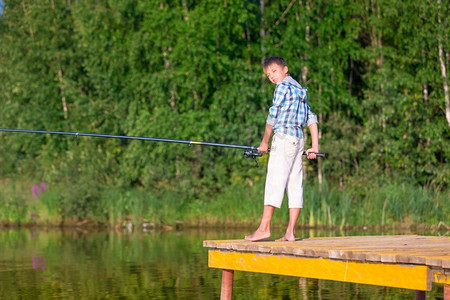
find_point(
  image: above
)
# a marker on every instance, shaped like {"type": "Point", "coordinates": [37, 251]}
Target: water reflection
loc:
{"type": "Point", "coordinates": [73, 264]}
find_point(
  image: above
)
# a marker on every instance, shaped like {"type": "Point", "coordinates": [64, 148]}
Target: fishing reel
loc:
{"type": "Point", "coordinates": [253, 154]}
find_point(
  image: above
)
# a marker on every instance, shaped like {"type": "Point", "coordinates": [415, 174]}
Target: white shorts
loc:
{"type": "Point", "coordinates": [284, 171]}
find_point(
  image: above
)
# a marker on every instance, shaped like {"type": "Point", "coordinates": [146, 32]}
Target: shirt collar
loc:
{"type": "Point", "coordinates": [290, 80]}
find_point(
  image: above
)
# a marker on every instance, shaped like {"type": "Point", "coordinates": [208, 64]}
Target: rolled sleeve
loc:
{"type": "Point", "coordinates": [271, 121]}
{"type": "Point", "coordinates": [312, 118]}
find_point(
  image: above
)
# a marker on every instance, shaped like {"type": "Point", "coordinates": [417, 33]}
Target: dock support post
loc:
{"type": "Point", "coordinates": [420, 295]}
{"type": "Point", "coordinates": [227, 284]}
{"type": "Point", "coordinates": [446, 291]}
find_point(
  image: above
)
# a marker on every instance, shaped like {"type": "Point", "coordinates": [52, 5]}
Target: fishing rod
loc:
{"type": "Point", "coordinates": [249, 151]}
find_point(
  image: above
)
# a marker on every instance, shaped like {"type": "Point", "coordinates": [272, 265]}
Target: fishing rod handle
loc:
{"type": "Point", "coordinates": [316, 153]}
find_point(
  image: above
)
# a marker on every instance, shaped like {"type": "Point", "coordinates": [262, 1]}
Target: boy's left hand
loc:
{"type": "Point", "coordinates": [311, 153]}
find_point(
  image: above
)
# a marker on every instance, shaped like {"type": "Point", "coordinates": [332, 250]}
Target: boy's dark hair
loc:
{"type": "Point", "coordinates": [274, 60]}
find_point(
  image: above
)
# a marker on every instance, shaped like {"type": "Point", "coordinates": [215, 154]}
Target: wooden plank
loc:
{"type": "Point", "coordinates": [438, 261]}
{"type": "Point", "coordinates": [426, 250]}
{"type": "Point", "coordinates": [347, 243]}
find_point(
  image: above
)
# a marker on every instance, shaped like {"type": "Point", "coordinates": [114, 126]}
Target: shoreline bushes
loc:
{"type": "Point", "coordinates": [376, 73]}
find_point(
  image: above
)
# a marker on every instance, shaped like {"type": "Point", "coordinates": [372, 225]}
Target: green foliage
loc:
{"type": "Point", "coordinates": [192, 70]}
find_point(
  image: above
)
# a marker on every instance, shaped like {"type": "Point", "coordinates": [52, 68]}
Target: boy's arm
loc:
{"type": "Point", "coordinates": [314, 130]}
{"type": "Point", "coordinates": [264, 147]}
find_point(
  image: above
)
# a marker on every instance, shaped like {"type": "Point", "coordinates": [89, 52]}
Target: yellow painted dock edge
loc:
{"type": "Point", "coordinates": [393, 275]}
{"type": "Point", "coordinates": [441, 277]}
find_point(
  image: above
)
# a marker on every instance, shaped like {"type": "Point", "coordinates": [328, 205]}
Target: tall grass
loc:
{"type": "Point", "coordinates": [390, 204]}
{"type": "Point", "coordinates": [47, 208]}
{"type": "Point", "coordinates": [136, 207]}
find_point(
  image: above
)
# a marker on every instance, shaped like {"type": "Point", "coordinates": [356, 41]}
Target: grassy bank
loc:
{"type": "Point", "coordinates": [27, 203]}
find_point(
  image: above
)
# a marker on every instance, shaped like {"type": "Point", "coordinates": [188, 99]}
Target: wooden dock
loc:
{"type": "Point", "coordinates": [403, 261]}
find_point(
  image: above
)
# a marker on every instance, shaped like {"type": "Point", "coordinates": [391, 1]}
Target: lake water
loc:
{"type": "Point", "coordinates": [77, 264]}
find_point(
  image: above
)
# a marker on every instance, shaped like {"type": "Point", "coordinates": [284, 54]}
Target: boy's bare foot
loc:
{"type": "Point", "coordinates": [288, 238]}
{"type": "Point", "coordinates": [257, 236]}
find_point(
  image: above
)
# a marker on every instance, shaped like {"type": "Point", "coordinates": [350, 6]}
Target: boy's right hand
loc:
{"type": "Point", "coordinates": [264, 147]}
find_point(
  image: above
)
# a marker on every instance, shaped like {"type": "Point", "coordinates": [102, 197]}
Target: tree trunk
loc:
{"type": "Point", "coordinates": [60, 73]}
{"type": "Point", "coordinates": [377, 36]}
{"type": "Point", "coordinates": [262, 35]}
{"type": "Point", "coordinates": [304, 57]}
{"type": "Point", "coordinates": [350, 77]}
{"type": "Point", "coordinates": [425, 96]}
{"type": "Point", "coordinates": [375, 40]}
{"type": "Point", "coordinates": [443, 69]}
{"type": "Point", "coordinates": [262, 32]}
{"type": "Point", "coordinates": [30, 30]}
{"type": "Point", "coordinates": [167, 64]}
{"type": "Point", "coordinates": [63, 97]}
{"type": "Point", "coordinates": [304, 75]}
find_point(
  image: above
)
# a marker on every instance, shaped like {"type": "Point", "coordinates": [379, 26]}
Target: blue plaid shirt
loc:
{"type": "Point", "coordinates": [290, 110]}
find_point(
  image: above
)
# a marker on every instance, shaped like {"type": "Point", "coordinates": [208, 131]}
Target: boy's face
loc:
{"type": "Point", "coordinates": [276, 73]}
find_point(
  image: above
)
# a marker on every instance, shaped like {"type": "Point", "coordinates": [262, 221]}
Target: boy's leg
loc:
{"type": "Point", "coordinates": [278, 169]}
{"type": "Point", "coordinates": [295, 180]}
{"type": "Point", "coordinates": [277, 174]}
{"type": "Point", "coordinates": [263, 231]}
{"type": "Point", "coordinates": [290, 230]}
{"type": "Point", "coordinates": [295, 193]}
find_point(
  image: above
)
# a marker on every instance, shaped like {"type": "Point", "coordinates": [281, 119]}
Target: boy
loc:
{"type": "Point", "coordinates": [289, 112]}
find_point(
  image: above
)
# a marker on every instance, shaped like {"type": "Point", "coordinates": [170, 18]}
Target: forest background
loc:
{"type": "Point", "coordinates": [376, 73]}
